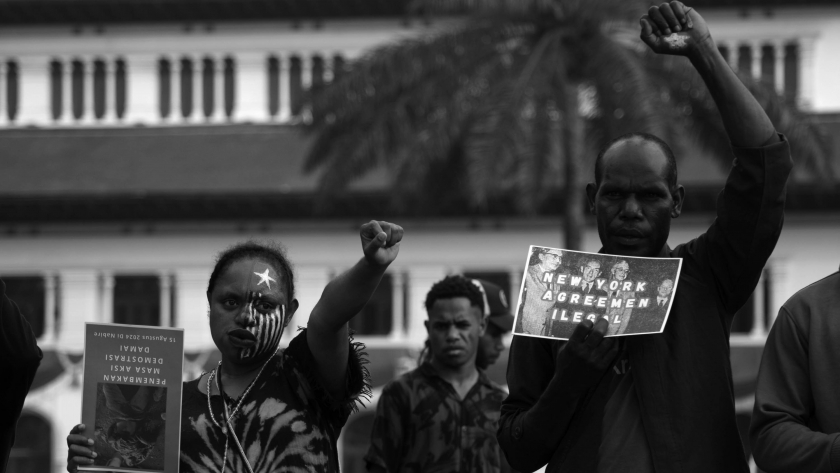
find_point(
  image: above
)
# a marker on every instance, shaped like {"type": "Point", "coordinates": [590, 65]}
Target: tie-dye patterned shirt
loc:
{"type": "Point", "coordinates": [287, 423]}
{"type": "Point", "coordinates": [422, 425]}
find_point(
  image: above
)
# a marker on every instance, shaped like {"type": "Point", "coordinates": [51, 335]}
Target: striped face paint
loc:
{"type": "Point", "coordinates": [266, 327]}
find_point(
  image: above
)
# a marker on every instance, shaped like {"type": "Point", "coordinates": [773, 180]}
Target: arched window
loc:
{"type": "Point", "coordinates": [33, 445]}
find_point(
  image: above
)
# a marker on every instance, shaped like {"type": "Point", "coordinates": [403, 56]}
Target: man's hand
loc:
{"type": "Point", "coordinates": [587, 353]}
{"type": "Point", "coordinates": [381, 242]}
{"type": "Point", "coordinates": [673, 28]}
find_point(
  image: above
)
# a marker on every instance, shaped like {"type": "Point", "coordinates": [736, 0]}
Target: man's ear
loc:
{"type": "Point", "coordinates": [678, 198]}
{"type": "Point", "coordinates": [591, 192]}
{"type": "Point", "coordinates": [426, 324]}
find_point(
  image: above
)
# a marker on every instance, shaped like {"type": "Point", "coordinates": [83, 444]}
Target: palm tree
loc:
{"type": "Point", "coordinates": [511, 101]}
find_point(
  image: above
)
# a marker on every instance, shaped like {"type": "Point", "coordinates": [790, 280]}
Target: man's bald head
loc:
{"type": "Point", "coordinates": [670, 164]}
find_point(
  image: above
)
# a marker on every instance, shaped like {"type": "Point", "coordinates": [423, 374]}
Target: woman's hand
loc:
{"type": "Point", "coordinates": [79, 451]}
{"type": "Point", "coordinates": [381, 241]}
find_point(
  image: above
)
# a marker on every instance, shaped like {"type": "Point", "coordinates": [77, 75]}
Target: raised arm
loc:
{"type": "Point", "coordinates": [673, 28]}
{"type": "Point", "coordinates": [549, 382]}
{"type": "Point", "coordinates": [344, 297]}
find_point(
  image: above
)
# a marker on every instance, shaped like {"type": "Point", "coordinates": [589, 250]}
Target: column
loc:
{"type": "Point", "coordinates": [328, 67]}
{"type": "Point", "coordinates": [218, 115]}
{"type": "Point", "coordinates": [142, 90]}
{"type": "Point", "coordinates": [420, 280]}
{"type": "Point", "coordinates": [755, 56]}
{"type": "Point", "coordinates": [250, 96]}
{"type": "Point", "coordinates": [779, 66]}
{"type": "Point", "coordinates": [49, 311]}
{"type": "Point", "coordinates": [197, 93]}
{"type": "Point", "coordinates": [165, 284]}
{"type": "Point", "coordinates": [191, 307]}
{"type": "Point", "coordinates": [306, 83]}
{"type": "Point", "coordinates": [806, 73]}
{"type": "Point", "coordinates": [285, 112]}
{"type": "Point", "coordinates": [311, 281]}
{"type": "Point", "coordinates": [110, 115]}
{"type": "Point", "coordinates": [4, 97]}
{"type": "Point", "coordinates": [398, 308]}
{"type": "Point", "coordinates": [67, 91]}
{"type": "Point", "coordinates": [176, 68]}
{"type": "Point", "coordinates": [33, 91]}
{"type": "Point", "coordinates": [106, 298]}
{"type": "Point", "coordinates": [87, 85]}
{"type": "Point", "coordinates": [79, 303]}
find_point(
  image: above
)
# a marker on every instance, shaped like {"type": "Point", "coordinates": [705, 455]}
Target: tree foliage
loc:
{"type": "Point", "coordinates": [484, 109]}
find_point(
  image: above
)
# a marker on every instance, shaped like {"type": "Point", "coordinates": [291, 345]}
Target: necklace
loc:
{"type": "Point", "coordinates": [228, 427]}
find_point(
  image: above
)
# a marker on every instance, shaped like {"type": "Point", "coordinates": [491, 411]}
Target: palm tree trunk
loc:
{"type": "Point", "coordinates": [573, 136]}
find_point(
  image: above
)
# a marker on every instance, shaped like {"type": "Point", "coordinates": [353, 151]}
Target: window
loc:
{"type": "Point", "coordinates": [296, 85]}
{"type": "Point", "coordinates": [791, 71]}
{"type": "Point", "coordinates": [77, 83]}
{"type": "Point", "coordinates": [137, 300]}
{"type": "Point", "coordinates": [208, 81]}
{"type": "Point", "coordinates": [11, 90]}
{"type": "Point", "coordinates": [166, 84]}
{"type": "Point", "coordinates": [230, 77]}
{"type": "Point", "coordinates": [32, 449]}
{"type": "Point", "coordinates": [375, 318]}
{"type": "Point", "coordinates": [120, 87]}
{"type": "Point", "coordinates": [56, 80]}
{"type": "Point", "coordinates": [28, 294]}
{"type": "Point", "coordinates": [186, 83]}
{"type": "Point", "coordinates": [273, 86]}
{"type": "Point", "coordinates": [755, 316]}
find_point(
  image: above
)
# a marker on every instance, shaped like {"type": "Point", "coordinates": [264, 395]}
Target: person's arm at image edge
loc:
{"type": "Point", "coordinates": [781, 440]}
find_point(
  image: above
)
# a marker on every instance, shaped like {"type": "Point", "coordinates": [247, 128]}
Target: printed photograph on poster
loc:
{"type": "Point", "coordinates": [131, 396]}
{"type": "Point", "coordinates": [561, 288]}
{"type": "Point", "coordinates": [129, 429]}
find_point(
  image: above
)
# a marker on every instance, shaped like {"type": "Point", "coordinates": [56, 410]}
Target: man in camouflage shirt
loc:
{"type": "Point", "coordinates": [442, 416]}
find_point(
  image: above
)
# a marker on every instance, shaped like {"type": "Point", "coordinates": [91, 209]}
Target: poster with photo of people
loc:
{"type": "Point", "coordinates": [561, 288]}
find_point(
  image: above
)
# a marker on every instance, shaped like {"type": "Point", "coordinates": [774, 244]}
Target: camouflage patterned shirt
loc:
{"type": "Point", "coordinates": [421, 424]}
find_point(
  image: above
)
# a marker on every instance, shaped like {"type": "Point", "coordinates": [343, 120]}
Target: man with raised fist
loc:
{"type": "Point", "coordinates": [657, 402]}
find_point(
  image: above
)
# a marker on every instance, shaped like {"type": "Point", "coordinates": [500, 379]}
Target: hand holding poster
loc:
{"type": "Point", "coordinates": [132, 396]}
{"type": "Point", "coordinates": [561, 288]}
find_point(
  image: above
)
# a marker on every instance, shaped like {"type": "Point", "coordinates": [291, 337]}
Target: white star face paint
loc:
{"type": "Point", "coordinates": [267, 328]}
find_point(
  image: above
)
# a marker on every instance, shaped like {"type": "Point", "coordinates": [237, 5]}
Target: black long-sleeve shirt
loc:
{"type": "Point", "coordinates": [683, 376]}
{"type": "Point", "coordinates": [19, 360]}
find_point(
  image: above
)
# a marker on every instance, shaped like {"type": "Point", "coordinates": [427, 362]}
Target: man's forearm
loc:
{"type": "Point", "coordinates": [745, 121]}
{"type": "Point", "coordinates": [530, 435]}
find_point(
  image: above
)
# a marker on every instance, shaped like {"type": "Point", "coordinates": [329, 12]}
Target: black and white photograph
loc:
{"type": "Point", "coordinates": [130, 421]}
{"type": "Point", "coordinates": [300, 189]}
{"type": "Point", "coordinates": [561, 288]}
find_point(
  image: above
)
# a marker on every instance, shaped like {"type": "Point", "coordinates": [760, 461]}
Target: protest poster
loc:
{"type": "Point", "coordinates": [131, 397]}
{"type": "Point", "coordinates": [561, 288]}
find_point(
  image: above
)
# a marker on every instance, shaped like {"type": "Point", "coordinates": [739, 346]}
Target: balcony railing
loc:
{"type": "Point", "coordinates": [149, 89]}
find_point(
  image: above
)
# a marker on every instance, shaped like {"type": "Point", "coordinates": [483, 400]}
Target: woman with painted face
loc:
{"type": "Point", "coordinates": [265, 408]}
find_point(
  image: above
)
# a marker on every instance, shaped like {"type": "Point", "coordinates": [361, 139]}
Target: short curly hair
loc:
{"type": "Point", "coordinates": [454, 286]}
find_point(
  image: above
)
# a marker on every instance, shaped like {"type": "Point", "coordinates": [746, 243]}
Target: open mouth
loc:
{"type": "Point", "coordinates": [242, 338]}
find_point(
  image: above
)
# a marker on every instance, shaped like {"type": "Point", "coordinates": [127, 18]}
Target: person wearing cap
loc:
{"type": "Point", "coordinates": [442, 416]}
{"type": "Point", "coordinates": [499, 323]}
